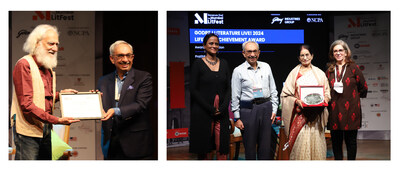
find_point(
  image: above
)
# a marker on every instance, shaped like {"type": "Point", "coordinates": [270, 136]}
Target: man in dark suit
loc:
{"type": "Point", "coordinates": [126, 130]}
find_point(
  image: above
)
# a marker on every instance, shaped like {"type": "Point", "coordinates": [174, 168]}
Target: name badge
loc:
{"type": "Point", "coordinates": [257, 93]}
{"type": "Point", "coordinates": [338, 87]}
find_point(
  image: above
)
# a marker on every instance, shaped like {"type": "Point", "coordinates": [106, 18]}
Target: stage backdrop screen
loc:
{"type": "Point", "coordinates": [279, 35]}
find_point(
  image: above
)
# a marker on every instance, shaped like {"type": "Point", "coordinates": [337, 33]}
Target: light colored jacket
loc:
{"type": "Point", "coordinates": [25, 124]}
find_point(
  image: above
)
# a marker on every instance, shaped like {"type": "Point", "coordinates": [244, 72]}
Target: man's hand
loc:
{"type": "Point", "coordinates": [108, 115]}
{"type": "Point", "coordinates": [69, 91]}
{"type": "Point", "coordinates": [97, 91]}
{"type": "Point", "coordinates": [67, 120]}
{"type": "Point", "coordinates": [239, 124]}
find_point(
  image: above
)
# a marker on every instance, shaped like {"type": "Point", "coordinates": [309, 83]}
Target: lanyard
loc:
{"type": "Point", "coordinates": [117, 94]}
{"type": "Point", "coordinates": [341, 74]}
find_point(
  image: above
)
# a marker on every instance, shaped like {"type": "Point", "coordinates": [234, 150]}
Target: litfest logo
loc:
{"type": "Point", "coordinates": [362, 22]}
{"type": "Point", "coordinates": [353, 23]}
{"type": "Point", "coordinates": [209, 18]}
{"type": "Point", "coordinates": [199, 20]}
{"type": "Point", "coordinates": [42, 15]}
{"type": "Point", "coordinates": [53, 15]}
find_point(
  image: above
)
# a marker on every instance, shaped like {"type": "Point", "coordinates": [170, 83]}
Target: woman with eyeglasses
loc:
{"type": "Point", "coordinates": [305, 124]}
{"type": "Point", "coordinates": [210, 88]}
{"type": "Point", "coordinates": [347, 87]}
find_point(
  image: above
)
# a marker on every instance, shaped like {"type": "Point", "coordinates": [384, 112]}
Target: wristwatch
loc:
{"type": "Point", "coordinates": [235, 119]}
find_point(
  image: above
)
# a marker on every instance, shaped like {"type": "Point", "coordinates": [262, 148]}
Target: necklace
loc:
{"type": "Point", "coordinates": [212, 63]}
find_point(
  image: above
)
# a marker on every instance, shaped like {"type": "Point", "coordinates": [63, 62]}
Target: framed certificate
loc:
{"type": "Point", "coordinates": [312, 96]}
{"type": "Point", "coordinates": [83, 105]}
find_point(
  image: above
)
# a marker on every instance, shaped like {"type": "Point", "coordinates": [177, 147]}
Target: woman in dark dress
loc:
{"type": "Point", "coordinates": [347, 87]}
{"type": "Point", "coordinates": [210, 94]}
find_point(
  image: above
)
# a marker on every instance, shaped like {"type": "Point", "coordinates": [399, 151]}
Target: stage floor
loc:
{"type": "Point", "coordinates": [366, 150]}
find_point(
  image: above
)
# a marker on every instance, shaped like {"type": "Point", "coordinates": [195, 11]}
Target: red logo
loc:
{"type": "Point", "coordinates": [340, 116]}
{"type": "Point", "coordinates": [173, 31]}
{"type": "Point", "coordinates": [45, 16]}
{"type": "Point", "coordinates": [347, 105]}
{"type": "Point", "coordinates": [353, 23]}
{"type": "Point", "coordinates": [177, 133]}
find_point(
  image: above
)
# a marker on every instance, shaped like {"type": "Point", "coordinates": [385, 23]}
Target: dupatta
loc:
{"type": "Point", "coordinates": [290, 109]}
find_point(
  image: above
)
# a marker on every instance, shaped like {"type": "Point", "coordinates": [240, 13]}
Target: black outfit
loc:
{"type": "Point", "coordinates": [204, 86]}
{"type": "Point", "coordinates": [350, 138]}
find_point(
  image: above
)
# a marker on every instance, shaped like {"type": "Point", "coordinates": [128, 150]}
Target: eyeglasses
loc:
{"type": "Point", "coordinates": [251, 51]}
{"type": "Point", "coordinates": [340, 51]}
{"type": "Point", "coordinates": [121, 56]}
{"type": "Point", "coordinates": [305, 55]}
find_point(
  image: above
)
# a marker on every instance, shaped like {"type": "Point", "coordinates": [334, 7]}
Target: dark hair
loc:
{"type": "Point", "coordinates": [207, 36]}
{"type": "Point", "coordinates": [308, 47]}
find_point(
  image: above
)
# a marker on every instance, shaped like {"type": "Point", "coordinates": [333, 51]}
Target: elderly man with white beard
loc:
{"type": "Point", "coordinates": [34, 95]}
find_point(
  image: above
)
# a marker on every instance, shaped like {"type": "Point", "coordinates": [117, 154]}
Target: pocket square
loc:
{"type": "Point", "coordinates": [130, 87]}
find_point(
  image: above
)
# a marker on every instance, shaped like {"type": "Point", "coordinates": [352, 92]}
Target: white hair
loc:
{"type": "Point", "coordinates": [35, 36]}
{"type": "Point", "coordinates": [116, 43]}
{"type": "Point", "coordinates": [250, 41]}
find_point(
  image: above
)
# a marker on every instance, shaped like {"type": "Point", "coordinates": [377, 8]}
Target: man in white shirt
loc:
{"type": "Point", "coordinates": [254, 102]}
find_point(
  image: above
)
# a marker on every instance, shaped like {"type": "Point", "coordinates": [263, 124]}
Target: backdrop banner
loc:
{"type": "Point", "coordinates": [76, 62]}
{"type": "Point", "coordinates": [369, 39]}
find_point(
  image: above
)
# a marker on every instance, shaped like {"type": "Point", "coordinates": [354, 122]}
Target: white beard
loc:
{"type": "Point", "coordinates": [45, 58]}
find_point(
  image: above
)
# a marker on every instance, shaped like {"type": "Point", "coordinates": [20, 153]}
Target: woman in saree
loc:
{"type": "Point", "coordinates": [305, 125]}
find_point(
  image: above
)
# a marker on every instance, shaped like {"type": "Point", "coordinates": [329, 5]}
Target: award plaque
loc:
{"type": "Point", "coordinates": [83, 105]}
{"type": "Point", "coordinates": [312, 96]}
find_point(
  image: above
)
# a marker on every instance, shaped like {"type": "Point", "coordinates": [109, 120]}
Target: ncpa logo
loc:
{"type": "Point", "coordinates": [209, 18]}
{"type": "Point", "coordinates": [55, 15]}
{"type": "Point", "coordinates": [315, 20]}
